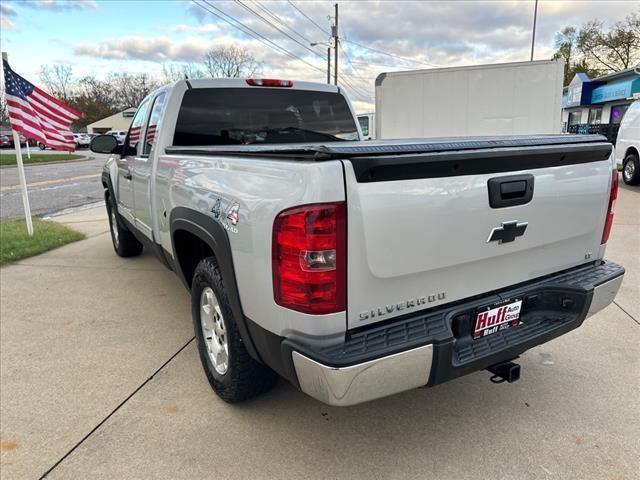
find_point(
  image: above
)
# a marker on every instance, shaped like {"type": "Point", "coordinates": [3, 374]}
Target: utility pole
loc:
{"type": "Point", "coordinates": [533, 34]}
{"type": "Point", "coordinates": [334, 34]}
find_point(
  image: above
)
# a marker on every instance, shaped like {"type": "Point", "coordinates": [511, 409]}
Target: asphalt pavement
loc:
{"type": "Point", "coordinates": [100, 379]}
{"type": "Point", "coordinates": [52, 187]}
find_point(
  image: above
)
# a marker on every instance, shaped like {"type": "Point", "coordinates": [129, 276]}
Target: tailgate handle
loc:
{"type": "Point", "coordinates": [510, 191]}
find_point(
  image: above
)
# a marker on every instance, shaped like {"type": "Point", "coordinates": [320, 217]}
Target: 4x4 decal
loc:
{"type": "Point", "coordinates": [230, 219]}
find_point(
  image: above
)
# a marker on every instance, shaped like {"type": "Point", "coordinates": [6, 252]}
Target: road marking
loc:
{"type": "Point", "coordinates": [49, 182]}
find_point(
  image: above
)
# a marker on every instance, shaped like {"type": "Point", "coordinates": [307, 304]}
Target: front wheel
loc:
{"type": "Point", "coordinates": [631, 170]}
{"type": "Point", "coordinates": [124, 242]}
{"type": "Point", "coordinates": [41, 146]}
{"type": "Point", "coordinates": [232, 373]}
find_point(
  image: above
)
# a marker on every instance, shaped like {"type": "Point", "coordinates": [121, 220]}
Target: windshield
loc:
{"type": "Point", "coordinates": [236, 116]}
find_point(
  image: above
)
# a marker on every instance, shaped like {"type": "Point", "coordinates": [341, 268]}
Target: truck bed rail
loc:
{"type": "Point", "coordinates": [349, 149]}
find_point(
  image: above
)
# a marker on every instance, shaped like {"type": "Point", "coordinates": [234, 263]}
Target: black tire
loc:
{"type": "Point", "coordinates": [124, 242]}
{"type": "Point", "coordinates": [631, 170]}
{"type": "Point", "coordinates": [244, 377]}
{"type": "Point", "coordinates": [41, 146]}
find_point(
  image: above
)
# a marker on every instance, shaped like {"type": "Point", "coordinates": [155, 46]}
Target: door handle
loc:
{"type": "Point", "coordinates": [510, 191]}
{"type": "Point", "coordinates": [127, 175]}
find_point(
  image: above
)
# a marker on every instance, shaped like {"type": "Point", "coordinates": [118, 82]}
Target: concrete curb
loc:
{"type": "Point", "coordinates": [27, 165]}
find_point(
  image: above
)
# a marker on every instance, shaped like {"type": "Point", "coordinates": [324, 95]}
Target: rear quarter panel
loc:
{"type": "Point", "coordinates": [261, 188]}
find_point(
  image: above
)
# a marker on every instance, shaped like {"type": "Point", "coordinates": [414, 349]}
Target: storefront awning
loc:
{"type": "Point", "coordinates": [616, 90]}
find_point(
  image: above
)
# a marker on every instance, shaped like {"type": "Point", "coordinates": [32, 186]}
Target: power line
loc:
{"type": "Point", "coordinates": [377, 64]}
{"type": "Point", "coordinates": [390, 54]}
{"type": "Point", "coordinates": [353, 68]}
{"type": "Point", "coordinates": [308, 17]}
{"type": "Point", "coordinates": [279, 20]}
{"type": "Point", "coordinates": [271, 44]}
{"type": "Point", "coordinates": [268, 22]}
{"type": "Point", "coordinates": [252, 33]}
{"type": "Point", "coordinates": [346, 79]}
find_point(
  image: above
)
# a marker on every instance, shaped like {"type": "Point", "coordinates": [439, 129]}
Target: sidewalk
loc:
{"type": "Point", "coordinates": [100, 379]}
{"type": "Point", "coordinates": [81, 329]}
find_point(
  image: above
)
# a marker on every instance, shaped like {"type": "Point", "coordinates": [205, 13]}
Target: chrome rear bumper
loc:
{"type": "Point", "coordinates": [345, 376]}
{"type": "Point", "coordinates": [604, 294]}
{"type": "Point", "coordinates": [365, 381]}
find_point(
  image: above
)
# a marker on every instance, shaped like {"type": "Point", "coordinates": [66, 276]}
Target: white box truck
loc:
{"type": "Point", "coordinates": [521, 98]}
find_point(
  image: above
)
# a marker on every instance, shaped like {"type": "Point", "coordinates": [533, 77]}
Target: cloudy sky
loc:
{"type": "Point", "coordinates": [102, 36]}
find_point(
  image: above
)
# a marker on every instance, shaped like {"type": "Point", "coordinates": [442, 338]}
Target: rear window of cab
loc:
{"type": "Point", "coordinates": [242, 116]}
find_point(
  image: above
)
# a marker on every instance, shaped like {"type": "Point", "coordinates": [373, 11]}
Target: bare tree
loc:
{"type": "Point", "coordinates": [612, 50]}
{"type": "Point", "coordinates": [130, 89]}
{"type": "Point", "coordinates": [172, 72]}
{"type": "Point", "coordinates": [565, 42]}
{"type": "Point", "coordinates": [229, 61]}
{"type": "Point", "coordinates": [57, 79]}
{"type": "Point", "coordinates": [95, 98]}
{"type": "Point", "coordinates": [4, 111]}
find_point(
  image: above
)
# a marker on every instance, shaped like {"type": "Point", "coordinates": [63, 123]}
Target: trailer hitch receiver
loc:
{"type": "Point", "coordinates": [504, 372]}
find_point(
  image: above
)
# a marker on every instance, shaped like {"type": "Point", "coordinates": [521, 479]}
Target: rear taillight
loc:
{"type": "Point", "coordinates": [269, 82]}
{"type": "Point", "coordinates": [309, 258]}
{"type": "Point", "coordinates": [613, 195]}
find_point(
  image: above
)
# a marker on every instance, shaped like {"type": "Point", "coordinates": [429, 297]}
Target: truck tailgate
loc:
{"type": "Point", "coordinates": [422, 231]}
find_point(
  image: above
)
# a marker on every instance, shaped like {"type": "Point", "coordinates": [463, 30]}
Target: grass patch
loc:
{"type": "Point", "coordinates": [10, 158]}
{"type": "Point", "coordinates": [16, 244]}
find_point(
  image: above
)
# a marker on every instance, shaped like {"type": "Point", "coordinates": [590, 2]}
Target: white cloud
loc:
{"type": "Point", "coordinates": [205, 28]}
{"type": "Point", "coordinates": [7, 14]}
{"type": "Point", "coordinates": [154, 49]}
{"type": "Point", "coordinates": [7, 24]}
{"type": "Point", "coordinates": [59, 5]}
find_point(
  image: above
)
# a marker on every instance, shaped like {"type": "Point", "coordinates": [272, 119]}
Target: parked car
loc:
{"type": "Point", "coordinates": [628, 145]}
{"type": "Point", "coordinates": [357, 269]}
{"type": "Point", "coordinates": [82, 140]}
{"type": "Point", "coordinates": [6, 140]}
{"type": "Point", "coordinates": [118, 134]}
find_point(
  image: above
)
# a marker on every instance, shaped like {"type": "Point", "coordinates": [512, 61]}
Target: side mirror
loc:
{"type": "Point", "coordinates": [104, 144]}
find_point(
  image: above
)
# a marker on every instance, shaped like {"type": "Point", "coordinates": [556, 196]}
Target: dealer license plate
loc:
{"type": "Point", "coordinates": [497, 317]}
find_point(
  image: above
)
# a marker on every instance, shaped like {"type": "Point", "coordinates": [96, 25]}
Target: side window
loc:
{"type": "Point", "coordinates": [364, 125]}
{"type": "Point", "coordinates": [133, 136]}
{"type": "Point", "coordinates": [154, 123]}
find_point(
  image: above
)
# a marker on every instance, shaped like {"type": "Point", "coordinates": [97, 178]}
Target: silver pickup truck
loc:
{"type": "Point", "coordinates": [357, 269]}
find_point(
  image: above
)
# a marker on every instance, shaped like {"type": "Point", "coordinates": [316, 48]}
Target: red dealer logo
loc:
{"type": "Point", "coordinates": [496, 319]}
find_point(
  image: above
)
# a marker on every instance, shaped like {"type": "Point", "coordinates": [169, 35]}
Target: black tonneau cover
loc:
{"type": "Point", "coordinates": [338, 150]}
{"type": "Point", "coordinates": [387, 160]}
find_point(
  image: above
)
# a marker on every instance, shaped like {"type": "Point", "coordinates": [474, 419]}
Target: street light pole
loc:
{"type": "Point", "coordinates": [334, 32]}
{"type": "Point", "coordinates": [533, 34]}
{"type": "Point", "coordinates": [315, 44]}
{"type": "Point", "coordinates": [329, 65]}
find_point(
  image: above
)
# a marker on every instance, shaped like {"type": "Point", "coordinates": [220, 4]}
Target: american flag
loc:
{"type": "Point", "coordinates": [36, 114]}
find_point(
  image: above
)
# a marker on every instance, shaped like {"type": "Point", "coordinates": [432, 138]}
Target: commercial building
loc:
{"type": "Point", "coordinates": [598, 105]}
{"type": "Point", "coordinates": [118, 121]}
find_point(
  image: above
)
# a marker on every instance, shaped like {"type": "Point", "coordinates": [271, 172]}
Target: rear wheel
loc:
{"type": "Point", "coordinates": [41, 146]}
{"type": "Point", "coordinates": [232, 373]}
{"type": "Point", "coordinates": [124, 242]}
{"type": "Point", "coordinates": [631, 170]}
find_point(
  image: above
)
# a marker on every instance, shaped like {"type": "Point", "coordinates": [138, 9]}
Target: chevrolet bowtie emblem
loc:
{"type": "Point", "coordinates": [507, 232]}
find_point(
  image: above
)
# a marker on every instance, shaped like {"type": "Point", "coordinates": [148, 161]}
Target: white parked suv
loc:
{"type": "Point", "coordinates": [82, 140]}
{"type": "Point", "coordinates": [118, 134]}
{"type": "Point", "coordinates": [627, 151]}
{"type": "Point", "coordinates": [357, 269]}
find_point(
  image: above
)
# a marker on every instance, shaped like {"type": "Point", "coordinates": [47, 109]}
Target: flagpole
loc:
{"type": "Point", "coordinates": [23, 181]}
